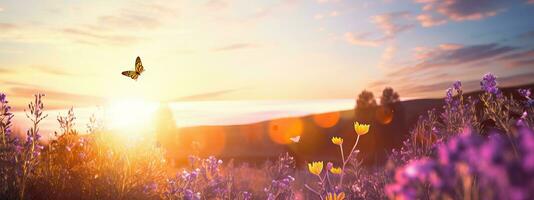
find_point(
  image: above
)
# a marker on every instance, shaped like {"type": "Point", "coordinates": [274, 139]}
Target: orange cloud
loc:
{"type": "Point", "coordinates": [56, 95]}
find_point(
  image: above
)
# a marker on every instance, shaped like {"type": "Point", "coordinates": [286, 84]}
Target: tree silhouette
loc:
{"type": "Point", "coordinates": [366, 99]}
{"type": "Point", "coordinates": [389, 96]}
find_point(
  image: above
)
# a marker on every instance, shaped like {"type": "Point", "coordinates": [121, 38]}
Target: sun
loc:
{"type": "Point", "coordinates": [131, 116]}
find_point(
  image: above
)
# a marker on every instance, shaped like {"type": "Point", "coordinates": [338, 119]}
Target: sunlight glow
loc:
{"type": "Point", "coordinates": [131, 117]}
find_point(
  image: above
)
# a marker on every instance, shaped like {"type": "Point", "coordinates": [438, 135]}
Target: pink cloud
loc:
{"type": "Point", "coordinates": [361, 40]}
{"type": "Point", "coordinates": [236, 46]}
{"type": "Point", "coordinates": [334, 14]}
{"type": "Point", "coordinates": [389, 24]}
{"type": "Point", "coordinates": [387, 55]}
{"type": "Point", "coordinates": [318, 16]}
{"type": "Point", "coordinates": [460, 10]}
{"type": "Point", "coordinates": [327, 1]}
{"type": "Point", "coordinates": [7, 26]}
{"type": "Point", "coordinates": [427, 20]}
{"type": "Point", "coordinates": [519, 59]}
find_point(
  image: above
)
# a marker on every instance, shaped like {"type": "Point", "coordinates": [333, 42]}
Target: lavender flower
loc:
{"type": "Point", "coordinates": [524, 93]}
{"type": "Point", "coordinates": [465, 157]}
{"type": "Point", "coordinates": [449, 96]}
{"type": "Point", "coordinates": [246, 195]}
{"type": "Point", "coordinates": [489, 84]}
{"type": "Point", "coordinates": [5, 119]}
{"type": "Point", "coordinates": [281, 175]}
{"type": "Point", "coordinates": [457, 85]}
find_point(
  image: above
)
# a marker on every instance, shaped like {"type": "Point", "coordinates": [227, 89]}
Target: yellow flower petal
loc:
{"type": "Point", "coordinates": [334, 196]}
{"type": "Point", "coordinates": [336, 170]}
{"type": "Point", "coordinates": [315, 167]}
{"type": "Point", "coordinates": [361, 129]}
{"type": "Point", "coordinates": [337, 140]}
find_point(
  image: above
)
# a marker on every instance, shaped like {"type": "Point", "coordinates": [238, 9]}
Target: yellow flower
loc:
{"type": "Point", "coordinates": [361, 129]}
{"type": "Point", "coordinates": [337, 140]}
{"type": "Point", "coordinates": [334, 196]}
{"type": "Point", "coordinates": [336, 170]}
{"type": "Point", "coordinates": [315, 167]}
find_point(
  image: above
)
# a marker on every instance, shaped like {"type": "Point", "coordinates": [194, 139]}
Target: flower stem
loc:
{"type": "Point", "coordinates": [347, 160]}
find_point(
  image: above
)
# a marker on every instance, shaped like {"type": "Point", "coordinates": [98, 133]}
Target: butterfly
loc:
{"type": "Point", "coordinates": [138, 70]}
{"type": "Point", "coordinates": [295, 139]}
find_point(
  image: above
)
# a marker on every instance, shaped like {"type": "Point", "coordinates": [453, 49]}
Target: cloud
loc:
{"type": "Point", "coordinates": [205, 96]}
{"type": "Point", "coordinates": [362, 40]}
{"type": "Point", "coordinates": [1, 9]}
{"type": "Point", "coordinates": [54, 71]}
{"type": "Point", "coordinates": [389, 23]}
{"type": "Point", "coordinates": [318, 16]}
{"type": "Point", "coordinates": [454, 55]}
{"type": "Point", "coordinates": [271, 9]}
{"type": "Point", "coordinates": [7, 27]}
{"type": "Point", "coordinates": [58, 96]}
{"type": "Point", "coordinates": [469, 85]}
{"type": "Point", "coordinates": [217, 4]}
{"type": "Point", "coordinates": [519, 59]}
{"type": "Point", "coordinates": [92, 37]}
{"type": "Point", "coordinates": [323, 16]}
{"type": "Point", "coordinates": [236, 46]}
{"type": "Point", "coordinates": [459, 10]}
{"type": "Point", "coordinates": [326, 1]}
{"type": "Point", "coordinates": [123, 26]}
{"type": "Point", "coordinates": [5, 71]}
{"type": "Point", "coordinates": [129, 21]}
{"type": "Point", "coordinates": [334, 14]}
{"type": "Point", "coordinates": [387, 55]}
{"type": "Point", "coordinates": [427, 20]}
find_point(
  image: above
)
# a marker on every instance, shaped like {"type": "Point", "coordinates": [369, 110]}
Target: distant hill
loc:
{"type": "Point", "coordinates": [256, 142]}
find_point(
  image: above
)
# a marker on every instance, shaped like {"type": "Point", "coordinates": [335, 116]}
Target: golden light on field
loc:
{"type": "Point", "coordinates": [281, 130]}
{"type": "Point", "coordinates": [326, 120]}
{"type": "Point", "coordinates": [131, 118]}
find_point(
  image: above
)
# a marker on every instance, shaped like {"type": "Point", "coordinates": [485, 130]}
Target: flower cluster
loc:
{"type": "Point", "coordinates": [468, 152]}
{"type": "Point", "coordinates": [5, 119]}
{"type": "Point", "coordinates": [489, 84]}
{"type": "Point", "coordinates": [467, 159]}
{"type": "Point", "coordinates": [328, 189]}
{"type": "Point", "coordinates": [202, 181]}
{"type": "Point", "coordinates": [281, 173]}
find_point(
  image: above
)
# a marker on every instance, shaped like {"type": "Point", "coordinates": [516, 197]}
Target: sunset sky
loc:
{"type": "Point", "coordinates": [194, 50]}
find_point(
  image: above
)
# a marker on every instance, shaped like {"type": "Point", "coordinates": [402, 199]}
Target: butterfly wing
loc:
{"type": "Point", "coordinates": [138, 65]}
{"type": "Point", "coordinates": [131, 74]}
{"type": "Point", "coordinates": [295, 139]}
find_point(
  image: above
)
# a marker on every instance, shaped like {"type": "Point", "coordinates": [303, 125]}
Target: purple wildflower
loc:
{"type": "Point", "coordinates": [449, 96]}
{"type": "Point", "coordinates": [5, 119]}
{"type": "Point", "coordinates": [247, 195]}
{"type": "Point", "coordinates": [489, 84]}
{"type": "Point", "coordinates": [457, 85]}
{"type": "Point", "coordinates": [524, 93]}
{"type": "Point", "coordinates": [329, 166]}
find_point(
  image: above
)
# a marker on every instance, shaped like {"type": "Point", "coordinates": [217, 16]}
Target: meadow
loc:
{"type": "Point", "coordinates": [473, 147]}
